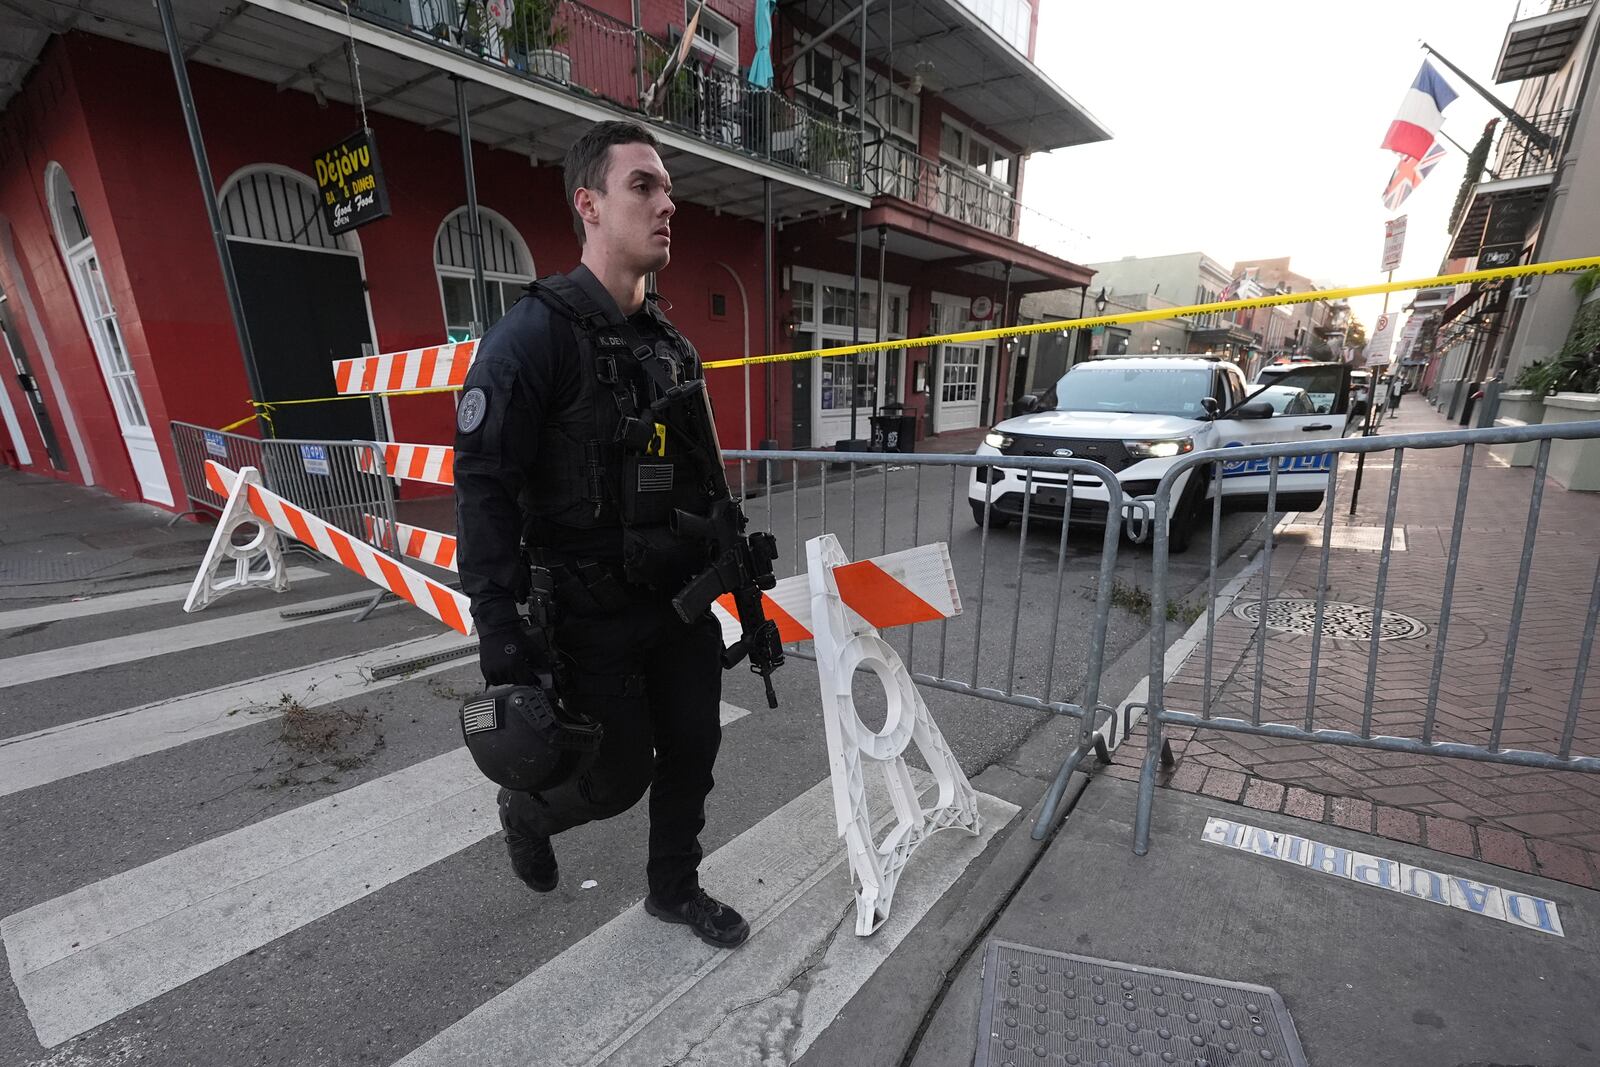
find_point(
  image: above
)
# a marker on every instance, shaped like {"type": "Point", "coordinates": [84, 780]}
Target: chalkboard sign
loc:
{"type": "Point", "coordinates": [351, 183]}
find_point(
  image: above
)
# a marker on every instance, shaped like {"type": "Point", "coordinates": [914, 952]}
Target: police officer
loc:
{"type": "Point", "coordinates": [540, 466]}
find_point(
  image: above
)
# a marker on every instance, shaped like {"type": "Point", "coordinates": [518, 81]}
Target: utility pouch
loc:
{"type": "Point", "coordinates": [655, 556]}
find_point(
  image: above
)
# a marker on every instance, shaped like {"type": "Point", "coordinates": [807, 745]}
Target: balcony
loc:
{"type": "Point", "coordinates": [592, 55]}
{"type": "Point", "coordinates": [1540, 38]}
{"type": "Point", "coordinates": [951, 48]}
{"type": "Point", "coordinates": [966, 196]}
{"type": "Point", "coordinates": [1523, 167]}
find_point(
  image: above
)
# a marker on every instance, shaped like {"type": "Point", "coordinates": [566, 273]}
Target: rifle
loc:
{"type": "Point", "coordinates": [743, 561]}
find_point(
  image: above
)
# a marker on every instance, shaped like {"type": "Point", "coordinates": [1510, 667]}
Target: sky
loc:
{"type": "Point", "coordinates": [1250, 130]}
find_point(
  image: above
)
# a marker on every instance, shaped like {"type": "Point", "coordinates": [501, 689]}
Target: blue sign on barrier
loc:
{"type": "Point", "coordinates": [216, 445]}
{"type": "Point", "coordinates": [315, 458]}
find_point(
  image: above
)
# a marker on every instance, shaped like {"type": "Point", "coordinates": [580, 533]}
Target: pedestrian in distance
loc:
{"type": "Point", "coordinates": [584, 466]}
{"type": "Point", "coordinates": [1397, 388]}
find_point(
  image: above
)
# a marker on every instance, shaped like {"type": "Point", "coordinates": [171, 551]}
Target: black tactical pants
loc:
{"type": "Point", "coordinates": [655, 684]}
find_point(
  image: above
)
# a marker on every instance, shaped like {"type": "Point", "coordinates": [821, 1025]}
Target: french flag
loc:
{"type": "Point", "coordinates": [1411, 133]}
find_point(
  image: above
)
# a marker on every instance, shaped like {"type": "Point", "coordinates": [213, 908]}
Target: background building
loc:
{"type": "Point", "coordinates": [1534, 200]}
{"type": "Point", "coordinates": [858, 191]}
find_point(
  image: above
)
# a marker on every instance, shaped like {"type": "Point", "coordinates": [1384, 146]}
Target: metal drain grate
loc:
{"type": "Point", "coordinates": [1342, 622]}
{"type": "Point", "coordinates": [417, 663]}
{"type": "Point", "coordinates": [1042, 1007]}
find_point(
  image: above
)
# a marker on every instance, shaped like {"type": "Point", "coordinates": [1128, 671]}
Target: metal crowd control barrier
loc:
{"type": "Point", "coordinates": [1305, 728]}
{"type": "Point", "coordinates": [332, 480]}
{"type": "Point", "coordinates": [876, 504]}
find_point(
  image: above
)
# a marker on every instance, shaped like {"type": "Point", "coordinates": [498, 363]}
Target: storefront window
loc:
{"type": "Point", "coordinates": [836, 376]}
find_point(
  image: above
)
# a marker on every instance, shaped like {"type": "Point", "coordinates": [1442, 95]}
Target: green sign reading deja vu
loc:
{"type": "Point", "coordinates": [351, 183]}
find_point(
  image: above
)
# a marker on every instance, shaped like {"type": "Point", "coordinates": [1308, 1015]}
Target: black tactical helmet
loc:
{"type": "Point", "coordinates": [523, 739]}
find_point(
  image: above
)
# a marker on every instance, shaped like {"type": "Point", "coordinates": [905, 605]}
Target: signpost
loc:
{"type": "Point", "coordinates": [350, 182]}
{"type": "Point", "coordinates": [1382, 340]}
{"type": "Point", "coordinates": [1394, 242]}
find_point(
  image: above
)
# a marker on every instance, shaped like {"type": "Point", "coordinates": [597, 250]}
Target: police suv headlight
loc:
{"type": "Point", "coordinates": [1159, 449]}
{"type": "Point", "coordinates": [997, 440]}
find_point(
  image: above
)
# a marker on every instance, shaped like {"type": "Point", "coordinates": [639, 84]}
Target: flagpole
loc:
{"type": "Point", "coordinates": [1366, 430]}
{"type": "Point", "coordinates": [1529, 130]}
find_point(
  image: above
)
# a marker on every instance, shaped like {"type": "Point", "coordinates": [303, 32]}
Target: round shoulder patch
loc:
{"type": "Point", "coordinates": [474, 404]}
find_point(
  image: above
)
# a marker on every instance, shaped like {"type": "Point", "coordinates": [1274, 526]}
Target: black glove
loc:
{"type": "Point", "coordinates": [514, 656]}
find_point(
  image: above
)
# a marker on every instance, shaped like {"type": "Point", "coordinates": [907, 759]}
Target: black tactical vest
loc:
{"type": "Point", "coordinates": [604, 462]}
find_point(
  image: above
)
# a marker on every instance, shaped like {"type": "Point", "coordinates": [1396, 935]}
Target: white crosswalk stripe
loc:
{"type": "Point", "coordinates": [111, 602]}
{"type": "Point", "coordinates": [104, 957]}
{"type": "Point", "coordinates": [89, 956]}
{"type": "Point", "coordinates": [574, 1008]}
{"type": "Point", "coordinates": [130, 648]}
{"type": "Point", "coordinates": [43, 756]}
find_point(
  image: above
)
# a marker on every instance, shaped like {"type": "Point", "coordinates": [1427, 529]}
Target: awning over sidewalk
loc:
{"type": "Point", "coordinates": [944, 243]}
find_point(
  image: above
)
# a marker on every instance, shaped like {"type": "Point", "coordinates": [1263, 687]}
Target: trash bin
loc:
{"type": "Point", "coordinates": [893, 430]}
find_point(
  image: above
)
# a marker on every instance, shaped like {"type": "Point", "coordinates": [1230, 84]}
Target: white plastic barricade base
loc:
{"type": "Point", "coordinates": [445, 604]}
{"type": "Point", "coordinates": [255, 564]}
{"type": "Point", "coordinates": [845, 643]}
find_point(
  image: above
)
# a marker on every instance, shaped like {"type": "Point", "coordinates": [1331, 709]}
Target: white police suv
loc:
{"type": "Point", "coordinates": [1137, 415]}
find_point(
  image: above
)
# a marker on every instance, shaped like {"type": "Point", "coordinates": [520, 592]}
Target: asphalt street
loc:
{"type": "Point", "coordinates": [222, 849]}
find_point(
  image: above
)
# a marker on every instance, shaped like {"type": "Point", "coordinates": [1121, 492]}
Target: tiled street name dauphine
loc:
{"type": "Point", "coordinates": [1465, 894]}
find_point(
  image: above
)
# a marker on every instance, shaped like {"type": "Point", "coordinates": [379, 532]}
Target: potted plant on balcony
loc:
{"type": "Point", "coordinates": [534, 39]}
{"type": "Point", "coordinates": [832, 152]}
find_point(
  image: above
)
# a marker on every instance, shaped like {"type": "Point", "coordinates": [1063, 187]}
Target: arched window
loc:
{"type": "Point", "coordinates": [507, 267]}
{"type": "Point", "coordinates": [268, 203]}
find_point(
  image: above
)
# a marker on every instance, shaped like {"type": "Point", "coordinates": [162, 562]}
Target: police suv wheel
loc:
{"type": "Point", "coordinates": [997, 521]}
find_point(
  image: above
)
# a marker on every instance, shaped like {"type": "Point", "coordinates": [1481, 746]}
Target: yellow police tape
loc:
{"type": "Point", "coordinates": [1157, 314]}
{"type": "Point", "coordinates": [264, 408]}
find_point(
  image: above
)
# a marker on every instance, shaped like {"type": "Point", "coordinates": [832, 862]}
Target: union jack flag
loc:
{"type": "Point", "coordinates": [1408, 174]}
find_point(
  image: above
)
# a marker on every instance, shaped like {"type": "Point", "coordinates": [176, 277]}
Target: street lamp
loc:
{"type": "Point", "coordinates": [1100, 302]}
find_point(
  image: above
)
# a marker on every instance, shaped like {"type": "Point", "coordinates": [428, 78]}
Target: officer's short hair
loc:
{"type": "Point", "coordinates": [586, 162]}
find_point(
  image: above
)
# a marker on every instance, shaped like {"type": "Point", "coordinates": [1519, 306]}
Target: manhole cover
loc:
{"type": "Point", "coordinates": [1044, 1007]}
{"type": "Point", "coordinates": [1348, 622]}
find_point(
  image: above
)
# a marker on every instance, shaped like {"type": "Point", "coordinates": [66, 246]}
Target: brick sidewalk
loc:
{"type": "Point", "coordinates": [1536, 821]}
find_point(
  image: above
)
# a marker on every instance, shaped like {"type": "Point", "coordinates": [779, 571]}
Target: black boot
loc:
{"type": "Point", "coordinates": [713, 922]}
{"type": "Point", "coordinates": [532, 858]}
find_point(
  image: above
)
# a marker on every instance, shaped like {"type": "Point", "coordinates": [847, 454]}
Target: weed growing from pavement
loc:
{"type": "Point", "coordinates": [315, 744]}
{"type": "Point", "coordinates": [1135, 600]}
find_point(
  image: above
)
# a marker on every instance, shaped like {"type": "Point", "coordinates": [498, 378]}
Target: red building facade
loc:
{"type": "Point", "coordinates": [117, 321]}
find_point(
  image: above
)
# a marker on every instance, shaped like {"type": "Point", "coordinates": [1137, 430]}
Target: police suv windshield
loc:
{"type": "Point", "coordinates": [1135, 390]}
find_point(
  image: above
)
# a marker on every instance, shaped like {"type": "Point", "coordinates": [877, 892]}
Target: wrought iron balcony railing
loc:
{"type": "Point", "coordinates": [588, 52]}
{"type": "Point", "coordinates": [1519, 155]}
{"type": "Point", "coordinates": [1528, 9]}
{"type": "Point", "coordinates": [968, 196]}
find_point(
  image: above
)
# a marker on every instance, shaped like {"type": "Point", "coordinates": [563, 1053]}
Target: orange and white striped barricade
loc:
{"type": "Point", "coordinates": [434, 598]}
{"type": "Point", "coordinates": [413, 542]}
{"type": "Point", "coordinates": [910, 586]}
{"type": "Point", "coordinates": [415, 463]}
{"type": "Point", "coordinates": [841, 606]}
{"type": "Point", "coordinates": [433, 367]}
{"type": "Point", "coordinates": [254, 564]}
